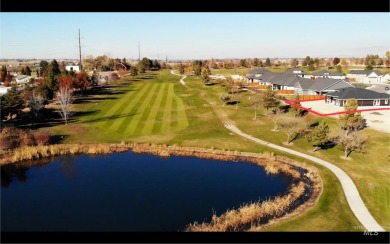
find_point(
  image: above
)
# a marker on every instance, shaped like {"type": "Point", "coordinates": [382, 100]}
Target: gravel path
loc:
{"type": "Point", "coordinates": [182, 77]}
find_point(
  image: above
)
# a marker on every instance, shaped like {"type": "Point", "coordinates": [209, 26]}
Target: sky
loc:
{"type": "Point", "coordinates": [193, 35]}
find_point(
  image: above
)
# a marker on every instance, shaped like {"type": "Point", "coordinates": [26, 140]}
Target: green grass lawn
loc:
{"type": "Point", "coordinates": [156, 108]}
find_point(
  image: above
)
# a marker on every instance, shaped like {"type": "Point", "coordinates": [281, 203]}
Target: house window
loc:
{"type": "Point", "coordinates": [377, 102]}
{"type": "Point", "coordinates": [386, 101]}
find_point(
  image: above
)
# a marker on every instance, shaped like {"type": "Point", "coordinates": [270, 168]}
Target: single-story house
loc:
{"type": "Point", "coordinates": [319, 86]}
{"type": "Point", "coordinates": [255, 74]}
{"type": "Point", "coordinates": [74, 68]}
{"type": "Point", "coordinates": [381, 88]}
{"type": "Point", "coordinates": [22, 79]}
{"type": "Point", "coordinates": [325, 74]}
{"type": "Point", "coordinates": [363, 96]}
{"type": "Point", "coordinates": [284, 81]}
{"type": "Point", "coordinates": [367, 76]}
{"type": "Point", "coordinates": [295, 71]}
{"type": "Point", "coordinates": [386, 78]}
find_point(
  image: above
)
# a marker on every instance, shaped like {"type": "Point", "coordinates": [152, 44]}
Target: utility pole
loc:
{"type": "Point", "coordinates": [81, 66]}
{"type": "Point", "coordinates": [139, 53]}
{"type": "Point", "coordinates": [166, 59]}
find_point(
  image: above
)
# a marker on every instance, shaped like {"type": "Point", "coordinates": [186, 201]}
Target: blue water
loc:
{"type": "Point", "coordinates": [128, 192]}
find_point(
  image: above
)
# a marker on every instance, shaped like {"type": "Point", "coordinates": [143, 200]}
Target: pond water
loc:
{"type": "Point", "coordinates": [128, 192]}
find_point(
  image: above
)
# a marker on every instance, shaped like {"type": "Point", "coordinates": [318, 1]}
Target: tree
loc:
{"type": "Point", "coordinates": [26, 71]}
{"type": "Point", "coordinates": [65, 100]}
{"type": "Point", "coordinates": [388, 54]}
{"type": "Point", "coordinates": [181, 69]}
{"type": "Point", "coordinates": [133, 71]}
{"type": "Point", "coordinates": [311, 67]}
{"type": "Point", "coordinates": [256, 62]}
{"type": "Point", "coordinates": [36, 103]}
{"type": "Point", "coordinates": [269, 99]}
{"type": "Point", "coordinates": [306, 61]}
{"type": "Point", "coordinates": [294, 62]}
{"type": "Point", "coordinates": [43, 65]}
{"type": "Point", "coordinates": [339, 69]}
{"type": "Point", "coordinates": [205, 76]}
{"type": "Point", "coordinates": [13, 102]}
{"type": "Point", "coordinates": [387, 63]}
{"type": "Point", "coordinates": [255, 102]}
{"type": "Point", "coordinates": [274, 115]}
{"type": "Point", "coordinates": [351, 121]}
{"type": "Point", "coordinates": [319, 136]}
{"type": "Point", "coordinates": [3, 73]}
{"type": "Point", "coordinates": [290, 126]}
{"type": "Point", "coordinates": [356, 141]}
{"type": "Point", "coordinates": [316, 62]}
{"type": "Point", "coordinates": [243, 63]}
{"type": "Point", "coordinates": [8, 80]}
{"type": "Point", "coordinates": [268, 62]}
{"type": "Point", "coordinates": [53, 73]}
{"type": "Point", "coordinates": [197, 67]}
{"type": "Point", "coordinates": [379, 62]}
{"type": "Point", "coordinates": [295, 110]}
{"type": "Point", "coordinates": [336, 61]}
{"type": "Point", "coordinates": [344, 63]}
{"type": "Point", "coordinates": [82, 81]}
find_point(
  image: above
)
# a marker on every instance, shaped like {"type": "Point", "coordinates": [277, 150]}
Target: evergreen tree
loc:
{"type": "Point", "coordinates": [13, 102]}
{"type": "Point", "coordinates": [268, 62]}
{"type": "Point", "coordinates": [319, 136]}
{"type": "Point", "coordinates": [269, 99]}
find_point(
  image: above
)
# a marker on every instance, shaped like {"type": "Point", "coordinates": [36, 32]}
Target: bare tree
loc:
{"type": "Point", "coordinates": [255, 102]}
{"type": "Point", "coordinates": [291, 126]}
{"type": "Point", "coordinates": [354, 141]}
{"type": "Point", "coordinates": [36, 103]}
{"type": "Point", "coordinates": [65, 100]}
{"type": "Point", "coordinates": [274, 115]}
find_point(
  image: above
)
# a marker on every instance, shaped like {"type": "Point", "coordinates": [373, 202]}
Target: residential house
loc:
{"type": "Point", "coordinates": [363, 96]}
{"type": "Point", "coordinates": [255, 74]}
{"type": "Point", "coordinates": [284, 81]}
{"type": "Point", "coordinates": [22, 79]}
{"type": "Point", "coordinates": [295, 71]}
{"type": "Point", "coordinates": [381, 88]}
{"type": "Point", "coordinates": [319, 86]}
{"type": "Point", "coordinates": [325, 74]}
{"type": "Point", "coordinates": [367, 76]}
{"type": "Point", "coordinates": [74, 68]}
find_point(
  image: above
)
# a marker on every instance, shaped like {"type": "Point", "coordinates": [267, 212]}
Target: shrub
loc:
{"type": "Point", "coordinates": [42, 137]}
{"type": "Point", "coordinates": [9, 138]}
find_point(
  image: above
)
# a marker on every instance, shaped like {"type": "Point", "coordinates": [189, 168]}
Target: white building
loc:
{"type": "Point", "coordinates": [74, 68]}
{"type": "Point", "coordinates": [4, 90]}
{"type": "Point", "coordinates": [367, 76]}
{"type": "Point", "coordinates": [22, 79]}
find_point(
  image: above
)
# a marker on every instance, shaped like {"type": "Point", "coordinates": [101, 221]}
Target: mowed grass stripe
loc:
{"type": "Point", "coordinates": [132, 126]}
{"type": "Point", "coordinates": [182, 121]}
{"type": "Point", "coordinates": [166, 119]}
{"type": "Point", "coordinates": [160, 112]}
{"type": "Point", "coordinates": [111, 111]}
{"type": "Point", "coordinates": [127, 107]}
{"type": "Point", "coordinates": [150, 121]}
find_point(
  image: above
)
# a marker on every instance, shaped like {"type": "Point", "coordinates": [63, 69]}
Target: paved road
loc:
{"type": "Point", "coordinates": [351, 193]}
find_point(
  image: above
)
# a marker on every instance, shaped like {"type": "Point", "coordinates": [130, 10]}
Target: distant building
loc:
{"type": "Point", "coordinates": [367, 76]}
{"type": "Point", "coordinates": [22, 79]}
{"type": "Point", "coordinates": [74, 68]}
{"type": "Point", "coordinates": [325, 74]}
{"type": "Point", "coordinates": [4, 90]}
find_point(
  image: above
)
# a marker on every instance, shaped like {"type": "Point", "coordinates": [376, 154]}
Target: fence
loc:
{"type": "Point", "coordinates": [311, 97]}
{"type": "Point", "coordinates": [285, 92]}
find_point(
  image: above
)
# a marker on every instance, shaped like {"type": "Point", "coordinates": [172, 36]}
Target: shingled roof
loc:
{"type": "Point", "coordinates": [321, 84]}
{"type": "Point", "coordinates": [326, 72]}
{"type": "Point", "coordinates": [365, 72]}
{"type": "Point", "coordinates": [358, 93]}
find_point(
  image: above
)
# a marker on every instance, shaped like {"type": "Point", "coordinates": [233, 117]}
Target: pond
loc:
{"type": "Point", "coordinates": [128, 192]}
